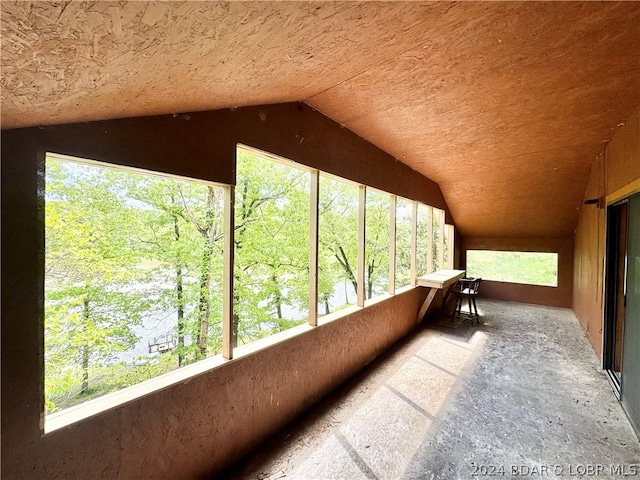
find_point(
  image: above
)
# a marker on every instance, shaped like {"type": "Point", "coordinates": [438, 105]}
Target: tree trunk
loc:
{"type": "Point", "coordinates": [204, 307]}
{"type": "Point", "coordinates": [236, 325]}
{"type": "Point", "coordinates": [179, 296]}
{"type": "Point", "coordinates": [236, 317]}
{"type": "Point", "coordinates": [85, 350]}
{"type": "Point", "coordinates": [344, 261]}
{"type": "Point", "coordinates": [278, 296]}
{"type": "Point", "coordinates": [370, 281]}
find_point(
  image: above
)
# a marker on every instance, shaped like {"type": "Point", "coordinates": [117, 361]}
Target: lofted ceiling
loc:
{"type": "Point", "coordinates": [504, 104]}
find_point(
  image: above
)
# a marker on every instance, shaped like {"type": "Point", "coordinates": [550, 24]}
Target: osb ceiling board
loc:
{"type": "Point", "coordinates": [70, 61]}
{"type": "Point", "coordinates": [505, 111]}
{"type": "Point", "coordinates": [504, 104]}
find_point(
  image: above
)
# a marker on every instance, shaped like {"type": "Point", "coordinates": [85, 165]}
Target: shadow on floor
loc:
{"type": "Point", "coordinates": [519, 392]}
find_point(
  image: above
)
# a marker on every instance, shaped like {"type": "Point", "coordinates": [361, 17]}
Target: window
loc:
{"type": "Point", "coordinates": [271, 260]}
{"type": "Point", "coordinates": [337, 244]}
{"type": "Point", "coordinates": [424, 252]}
{"type": "Point", "coordinates": [449, 246]}
{"type": "Point", "coordinates": [378, 208]}
{"type": "Point", "coordinates": [437, 243]}
{"type": "Point", "coordinates": [535, 268]}
{"type": "Point", "coordinates": [133, 277]}
{"type": "Point", "coordinates": [404, 222]}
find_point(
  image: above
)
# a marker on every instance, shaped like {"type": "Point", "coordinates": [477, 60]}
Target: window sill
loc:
{"type": "Point", "coordinates": [88, 409]}
{"type": "Point", "coordinates": [58, 420]}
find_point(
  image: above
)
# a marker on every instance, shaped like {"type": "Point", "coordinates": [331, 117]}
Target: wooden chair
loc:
{"type": "Point", "coordinates": [467, 289]}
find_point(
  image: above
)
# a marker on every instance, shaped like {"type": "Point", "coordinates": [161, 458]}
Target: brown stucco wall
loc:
{"type": "Point", "coordinates": [559, 296]}
{"type": "Point", "coordinates": [193, 428]}
{"type": "Point", "coordinates": [615, 174]}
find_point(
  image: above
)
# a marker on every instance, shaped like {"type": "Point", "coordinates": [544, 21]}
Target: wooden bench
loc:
{"type": "Point", "coordinates": [440, 280]}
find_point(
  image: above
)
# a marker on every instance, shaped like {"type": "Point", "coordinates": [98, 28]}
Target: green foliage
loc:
{"type": "Point", "coordinates": [423, 238]}
{"type": "Point", "coordinates": [91, 305]}
{"type": "Point", "coordinates": [124, 248]}
{"type": "Point", "coordinates": [403, 242]}
{"type": "Point", "coordinates": [271, 258]}
{"type": "Point", "coordinates": [66, 392]}
{"type": "Point", "coordinates": [435, 238]}
{"type": "Point", "coordinates": [119, 247]}
{"type": "Point", "coordinates": [377, 243]}
{"type": "Point", "coordinates": [337, 241]}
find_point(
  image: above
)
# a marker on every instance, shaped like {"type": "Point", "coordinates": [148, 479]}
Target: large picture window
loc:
{"type": "Point", "coordinates": [133, 277]}
{"type": "Point", "coordinates": [424, 249]}
{"type": "Point", "coordinates": [404, 225]}
{"type": "Point", "coordinates": [271, 246]}
{"type": "Point", "coordinates": [337, 244]}
{"type": "Point", "coordinates": [535, 268]}
{"type": "Point", "coordinates": [378, 208]}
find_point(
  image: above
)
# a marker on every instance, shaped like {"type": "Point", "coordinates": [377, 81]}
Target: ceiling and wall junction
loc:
{"type": "Point", "coordinates": [504, 104]}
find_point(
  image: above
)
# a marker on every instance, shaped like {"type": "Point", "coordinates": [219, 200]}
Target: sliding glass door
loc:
{"type": "Point", "coordinates": [630, 381]}
{"type": "Point", "coordinates": [622, 307]}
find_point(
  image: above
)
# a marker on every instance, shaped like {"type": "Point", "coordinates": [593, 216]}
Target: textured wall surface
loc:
{"type": "Point", "coordinates": [194, 427]}
{"type": "Point", "coordinates": [615, 174]}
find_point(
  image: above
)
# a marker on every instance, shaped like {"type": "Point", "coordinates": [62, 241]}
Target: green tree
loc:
{"type": "Point", "coordinates": [122, 246]}
{"type": "Point", "coordinates": [182, 231]}
{"type": "Point", "coordinates": [338, 239]}
{"type": "Point", "coordinates": [93, 294]}
{"type": "Point", "coordinates": [423, 265]}
{"type": "Point", "coordinates": [378, 206]}
{"type": "Point", "coordinates": [403, 242]}
{"type": "Point", "coordinates": [271, 247]}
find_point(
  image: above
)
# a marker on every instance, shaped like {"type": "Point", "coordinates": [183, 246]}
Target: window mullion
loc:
{"type": "Point", "coordinates": [227, 301]}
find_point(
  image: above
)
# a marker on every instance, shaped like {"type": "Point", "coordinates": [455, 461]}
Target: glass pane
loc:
{"type": "Point", "coordinates": [403, 242]}
{"type": "Point", "coordinates": [449, 237]}
{"type": "Point", "coordinates": [437, 239]}
{"type": "Point", "coordinates": [337, 245]}
{"type": "Point", "coordinates": [378, 207]}
{"type": "Point", "coordinates": [271, 261]}
{"type": "Point", "coordinates": [133, 277]}
{"type": "Point", "coordinates": [630, 380]}
{"type": "Point", "coordinates": [423, 258]}
{"type": "Point", "coordinates": [534, 268]}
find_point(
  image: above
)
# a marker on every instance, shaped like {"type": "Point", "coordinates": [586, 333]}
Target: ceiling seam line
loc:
{"type": "Point", "coordinates": [523, 154]}
{"type": "Point", "coordinates": [382, 62]}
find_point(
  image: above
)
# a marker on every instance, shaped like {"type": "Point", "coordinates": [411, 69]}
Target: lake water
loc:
{"type": "Point", "coordinates": [154, 326]}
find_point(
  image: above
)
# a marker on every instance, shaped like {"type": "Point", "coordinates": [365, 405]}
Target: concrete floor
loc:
{"type": "Point", "coordinates": [519, 396]}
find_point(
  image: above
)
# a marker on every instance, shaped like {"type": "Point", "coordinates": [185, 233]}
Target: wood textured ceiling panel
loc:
{"type": "Point", "coordinates": [511, 105]}
{"type": "Point", "coordinates": [96, 60]}
{"type": "Point", "coordinates": [504, 104]}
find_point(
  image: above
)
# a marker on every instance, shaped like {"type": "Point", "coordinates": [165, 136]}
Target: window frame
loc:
{"type": "Point", "coordinates": [486, 278]}
{"type": "Point", "coordinates": [70, 415]}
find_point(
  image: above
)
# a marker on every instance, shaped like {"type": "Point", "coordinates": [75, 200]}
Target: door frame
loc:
{"type": "Point", "coordinates": [612, 271]}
